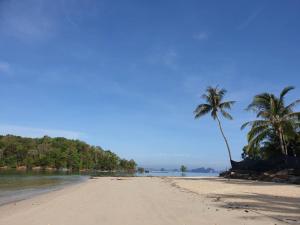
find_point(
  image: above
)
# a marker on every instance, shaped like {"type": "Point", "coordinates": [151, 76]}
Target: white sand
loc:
{"type": "Point", "coordinates": [142, 200]}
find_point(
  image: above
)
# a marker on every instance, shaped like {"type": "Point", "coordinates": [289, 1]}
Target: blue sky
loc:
{"type": "Point", "coordinates": [127, 75]}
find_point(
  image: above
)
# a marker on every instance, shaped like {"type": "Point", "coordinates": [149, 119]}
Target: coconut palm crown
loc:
{"type": "Point", "coordinates": [215, 106]}
{"type": "Point", "coordinates": [274, 117]}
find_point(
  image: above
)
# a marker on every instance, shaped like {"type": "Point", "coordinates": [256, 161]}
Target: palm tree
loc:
{"type": "Point", "coordinates": [275, 117]}
{"type": "Point", "coordinates": [214, 106]}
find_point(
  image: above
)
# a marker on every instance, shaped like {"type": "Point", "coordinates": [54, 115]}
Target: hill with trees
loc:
{"type": "Point", "coordinates": [58, 153]}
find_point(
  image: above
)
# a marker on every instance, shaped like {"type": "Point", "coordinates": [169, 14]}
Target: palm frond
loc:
{"type": "Point", "coordinates": [245, 125]}
{"type": "Point", "coordinates": [292, 105]}
{"type": "Point", "coordinates": [292, 115]}
{"type": "Point", "coordinates": [221, 93]}
{"type": "Point", "coordinates": [260, 101]}
{"type": "Point", "coordinates": [255, 123]}
{"type": "Point", "coordinates": [214, 113]}
{"type": "Point", "coordinates": [284, 92]}
{"type": "Point", "coordinates": [226, 105]}
{"type": "Point", "coordinates": [256, 131]}
{"type": "Point", "coordinates": [263, 113]}
{"type": "Point", "coordinates": [202, 109]}
{"type": "Point", "coordinates": [214, 104]}
{"type": "Point", "coordinates": [260, 137]}
{"type": "Point", "coordinates": [226, 114]}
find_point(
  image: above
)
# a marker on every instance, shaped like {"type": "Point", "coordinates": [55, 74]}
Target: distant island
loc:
{"type": "Point", "coordinates": [203, 170]}
{"type": "Point", "coordinates": [196, 170]}
{"type": "Point", "coordinates": [58, 153]}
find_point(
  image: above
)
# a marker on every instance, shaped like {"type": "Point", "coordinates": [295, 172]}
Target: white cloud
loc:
{"type": "Point", "coordinates": [38, 132]}
{"type": "Point", "coordinates": [4, 67]}
{"type": "Point", "coordinates": [201, 36]}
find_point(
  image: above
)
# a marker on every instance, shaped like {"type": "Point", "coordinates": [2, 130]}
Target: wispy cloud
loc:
{"type": "Point", "coordinates": [201, 36]}
{"type": "Point", "coordinates": [166, 58]}
{"type": "Point", "coordinates": [27, 20]}
{"type": "Point", "coordinates": [33, 20]}
{"type": "Point", "coordinates": [4, 67]}
{"type": "Point", "coordinates": [38, 132]}
{"type": "Point", "coordinates": [250, 19]}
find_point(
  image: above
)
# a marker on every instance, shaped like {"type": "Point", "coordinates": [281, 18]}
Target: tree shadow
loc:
{"type": "Point", "coordinates": [237, 181]}
{"type": "Point", "coordinates": [282, 208]}
{"type": "Point", "coordinates": [279, 207]}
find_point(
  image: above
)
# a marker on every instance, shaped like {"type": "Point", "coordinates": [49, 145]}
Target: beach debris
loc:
{"type": "Point", "coordinates": [290, 219]}
{"type": "Point", "coordinates": [217, 199]}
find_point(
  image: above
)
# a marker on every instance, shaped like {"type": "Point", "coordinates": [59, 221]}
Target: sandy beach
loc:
{"type": "Point", "coordinates": [146, 200]}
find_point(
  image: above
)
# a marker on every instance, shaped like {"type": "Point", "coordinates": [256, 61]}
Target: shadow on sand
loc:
{"type": "Point", "coordinates": [236, 181]}
{"type": "Point", "coordinates": [279, 207]}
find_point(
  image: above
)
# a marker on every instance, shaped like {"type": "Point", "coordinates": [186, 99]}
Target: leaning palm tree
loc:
{"type": "Point", "coordinates": [215, 105]}
{"type": "Point", "coordinates": [275, 117]}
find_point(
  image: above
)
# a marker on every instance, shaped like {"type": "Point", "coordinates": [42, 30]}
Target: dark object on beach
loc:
{"type": "Point", "coordinates": [277, 163]}
{"type": "Point", "coordinates": [280, 170]}
{"type": "Point", "coordinates": [291, 176]}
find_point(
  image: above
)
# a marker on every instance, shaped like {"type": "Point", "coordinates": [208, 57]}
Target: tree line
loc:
{"type": "Point", "coordinates": [274, 133]}
{"type": "Point", "coordinates": [59, 152]}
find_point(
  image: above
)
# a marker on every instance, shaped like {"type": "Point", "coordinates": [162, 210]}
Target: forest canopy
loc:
{"type": "Point", "coordinates": [58, 152]}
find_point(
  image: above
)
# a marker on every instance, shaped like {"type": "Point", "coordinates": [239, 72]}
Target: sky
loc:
{"type": "Point", "coordinates": [127, 75]}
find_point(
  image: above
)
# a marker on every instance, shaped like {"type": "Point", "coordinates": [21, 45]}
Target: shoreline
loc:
{"type": "Point", "coordinates": [17, 194]}
{"type": "Point", "coordinates": [155, 200]}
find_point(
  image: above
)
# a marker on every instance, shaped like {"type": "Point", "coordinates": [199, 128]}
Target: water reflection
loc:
{"type": "Point", "coordinates": [18, 185]}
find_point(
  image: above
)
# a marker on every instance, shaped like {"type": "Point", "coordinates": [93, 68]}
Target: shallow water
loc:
{"type": "Point", "coordinates": [16, 186]}
{"type": "Point", "coordinates": [177, 174]}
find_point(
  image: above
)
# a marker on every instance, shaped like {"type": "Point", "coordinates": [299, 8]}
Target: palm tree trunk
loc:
{"type": "Point", "coordinates": [225, 139]}
{"type": "Point", "coordinates": [285, 143]}
{"type": "Point", "coordinates": [282, 145]}
{"type": "Point", "coordinates": [282, 142]}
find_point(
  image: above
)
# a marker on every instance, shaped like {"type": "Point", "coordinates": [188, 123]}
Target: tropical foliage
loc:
{"type": "Point", "coordinates": [276, 131]}
{"type": "Point", "coordinates": [215, 105]}
{"type": "Point", "coordinates": [58, 153]}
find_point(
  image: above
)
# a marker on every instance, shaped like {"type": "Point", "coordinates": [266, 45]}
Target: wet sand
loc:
{"type": "Point", "coordinates": [146, 200]}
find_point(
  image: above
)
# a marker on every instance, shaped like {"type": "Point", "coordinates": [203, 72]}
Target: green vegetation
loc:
{"type": "Point", "coordinates": [215, 105]}
{"type": "Point", "coordinates": [276, 131]}
{"type": "Point", "coordinates": [183, 168]}
{"type": "Point", "coordinates": [58, 153]}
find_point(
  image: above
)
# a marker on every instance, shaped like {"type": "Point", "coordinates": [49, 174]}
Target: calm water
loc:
{"type": "Point", "coordinates": [17, 185]}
